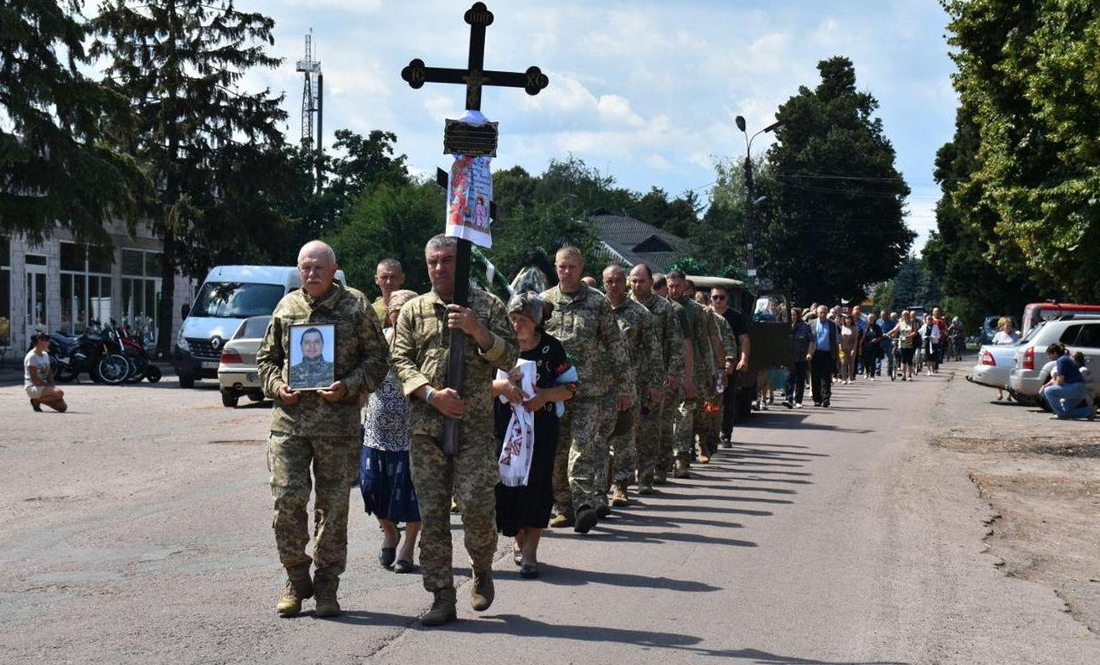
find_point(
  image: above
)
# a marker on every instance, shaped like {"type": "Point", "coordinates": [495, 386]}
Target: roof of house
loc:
{"type": "Point", "coordinates": [634, 242]}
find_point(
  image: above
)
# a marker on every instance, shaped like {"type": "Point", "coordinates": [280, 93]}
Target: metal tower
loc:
{"type": "Point", "coordinates": [312, 101]}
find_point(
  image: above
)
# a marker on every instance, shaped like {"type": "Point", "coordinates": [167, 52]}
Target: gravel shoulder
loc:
{"type": "Point", "coordinates": [1042, 478]}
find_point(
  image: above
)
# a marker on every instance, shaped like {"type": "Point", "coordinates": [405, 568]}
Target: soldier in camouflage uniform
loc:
{"type": "Point", "coordinates": [652, 430]}
{"type": "Point", "coordinates": [318, 429]}
{"type": "Point", "coordinates": [698, 373]}
{"type": "Point", "coordinates": [420, 357]}
{"type": "Point", "coordinates": [638, 326]}
{"type": "Point", "coordinates": [709, 418]}
{"type": "Point", "coordinates": [585, 325]}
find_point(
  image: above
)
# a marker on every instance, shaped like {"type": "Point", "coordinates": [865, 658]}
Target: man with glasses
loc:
{"type": "Point", "coordinates": [720, 300]}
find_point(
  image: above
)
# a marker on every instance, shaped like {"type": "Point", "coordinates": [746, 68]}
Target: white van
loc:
{"type": "Point", "coordinates": [229, 295]}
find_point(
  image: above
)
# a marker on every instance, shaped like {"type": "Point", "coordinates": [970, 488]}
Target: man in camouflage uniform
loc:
{"type": "Point", "coordinates": [318, 429]}
{"type": "Point", "coordinates": [709, 418]}
{"type": "Point", "coordinates": [645, 355]}
{"type": "Point", "coordinates": [654, 441]}
{"type": "Point", "coordinates": [585, 325]}
{"type": "Point", "coordinates": [698, 371]}
{"type": "Point", "coordinates": [389, 276]}
{"type": "Point", "coordinates": [420, 358]}
{"type": "Point", "coordinates": [313, 371]}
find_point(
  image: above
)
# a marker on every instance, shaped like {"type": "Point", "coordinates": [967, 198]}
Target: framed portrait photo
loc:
{"type": "Point", "coordinates": [311, 356]}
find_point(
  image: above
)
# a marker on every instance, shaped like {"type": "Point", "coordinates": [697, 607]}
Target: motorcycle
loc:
{"type": "Point", "coordinates": [90, 352]}
{"type": "Point", "coordinates": [134, 351]}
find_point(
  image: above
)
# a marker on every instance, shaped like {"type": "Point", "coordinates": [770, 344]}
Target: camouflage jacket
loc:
{"type": "Point", "coordinates": [361, 360]}
{"type": "Point", "coordinates": [670, 335]}
{"type": "Point", "coordinates": [421, 350]}
{"type": "Point", "coordinates": [641, 342]}
{"type": "Point", "coordinates": [585, 325]}
{"type": "Point", "coordinates": [696, 330]}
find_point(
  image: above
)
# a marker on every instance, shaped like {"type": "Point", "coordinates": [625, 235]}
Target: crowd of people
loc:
{"type": "Point", "coordinates": [603, 366]}
{"type": "Point", "coordinates": [572, 398]}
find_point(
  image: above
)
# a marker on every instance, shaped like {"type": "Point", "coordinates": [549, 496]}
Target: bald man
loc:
{"type": "Point", "coordinates": [314, 441]}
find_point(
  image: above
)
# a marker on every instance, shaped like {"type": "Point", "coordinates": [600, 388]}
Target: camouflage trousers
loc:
{"type": "Point", "coordinates": [684, 433]}
{"type": "Point", "coordinates": [335, 464]}
{"type": "Point", "coordinates": [708, 417]}
{"type": "Point", "coordinates": [609, 416]}
{"type": "Point", "coordinates": [624, 453]}
{"type": "Point", "coordinates": [647, 441]}
{"type": "Point", "coordinates": [670, 412]}
{"type": "Point", "coordinates": [470, 477]}
{"type": "Point", "coordinates": [575, 457]}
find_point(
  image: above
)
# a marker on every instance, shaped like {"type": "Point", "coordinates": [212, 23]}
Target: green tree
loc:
{"type": "Point", "coordinates": [1027, 74]}
{"type": "Point", "coordinates": [200, 136]}
{"type": "Point", "coordinates": [839, 194]}
{"type": "Point", "coordinates": [980, 273]}
{"type": "Point", "coordinates": [57, 164]}
{"type": "Point", "coordinates": [389, 221]}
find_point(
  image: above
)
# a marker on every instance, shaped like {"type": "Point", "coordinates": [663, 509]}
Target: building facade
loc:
{"type": "Point", "coordinates": [60, 285]}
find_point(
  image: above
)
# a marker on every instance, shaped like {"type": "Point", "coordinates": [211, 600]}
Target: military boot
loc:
{"type": "Point", "coordinates": [297, 590]}
{"type": "Point", "coordinates": [327, 605]}
{"type": "Point", "coordinates": [619, 497]}
{"type": "Point", "coordinates": [443, 609]}
{"type": "Point", "coordinates": [681, 470]}
{"type": "Point", "coordinates": [483, 591]}
{"type": "Point", "coordinates": [561, 521]}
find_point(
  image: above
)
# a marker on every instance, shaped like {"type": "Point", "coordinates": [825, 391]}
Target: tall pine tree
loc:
{"type": "Point", "coordinates": [56, 166]}
{"type": "Point", "coordinates": [212, 149]}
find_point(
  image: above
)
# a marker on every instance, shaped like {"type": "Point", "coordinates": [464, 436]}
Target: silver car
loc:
{"type": "Point", "coordinates": [237, 372]}
{"type": "Point", "coordinates": [1077, 333]}
{"type": "Point", "coordinates": [994, 366]}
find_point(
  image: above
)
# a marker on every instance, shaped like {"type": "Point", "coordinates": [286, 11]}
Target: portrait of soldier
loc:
{"type": "Point", "coordinates": [311, 370]}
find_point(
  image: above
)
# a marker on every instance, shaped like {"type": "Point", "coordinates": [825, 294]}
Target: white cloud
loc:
{"type": "Point", "coordinates": [658, 162]}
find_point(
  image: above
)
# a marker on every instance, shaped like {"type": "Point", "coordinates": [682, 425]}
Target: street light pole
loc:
{"type": "Point", "coordinates": [750, 199]}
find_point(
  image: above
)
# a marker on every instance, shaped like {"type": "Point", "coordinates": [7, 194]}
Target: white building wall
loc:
{"type": "Point", "coordinates": [51, 248]}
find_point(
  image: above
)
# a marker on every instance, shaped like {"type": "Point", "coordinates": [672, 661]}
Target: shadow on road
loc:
{"type": "Point", "coordinates": [559, 576]}
{"type": "Point", "coordinates": [519, 626]}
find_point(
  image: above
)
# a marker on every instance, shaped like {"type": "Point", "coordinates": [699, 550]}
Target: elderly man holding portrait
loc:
{"type": "Point", "coordinates": [317, 430]}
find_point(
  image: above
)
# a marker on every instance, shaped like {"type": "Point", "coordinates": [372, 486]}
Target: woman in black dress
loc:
{"type": "Point", "coordinates": [523, 512]}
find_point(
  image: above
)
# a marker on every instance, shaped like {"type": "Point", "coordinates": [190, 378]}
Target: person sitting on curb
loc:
{"type": "Point", "coordinates": [38, 378]}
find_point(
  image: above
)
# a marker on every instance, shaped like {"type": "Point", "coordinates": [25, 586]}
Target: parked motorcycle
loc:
{"type": "Point", "coordinates": [141, 367]}
{"type": "Point", "coordinates": [93, 352]}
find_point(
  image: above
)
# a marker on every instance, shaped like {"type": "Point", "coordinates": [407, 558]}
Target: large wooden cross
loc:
{"type": "Point", "coordinates": [474, 77]}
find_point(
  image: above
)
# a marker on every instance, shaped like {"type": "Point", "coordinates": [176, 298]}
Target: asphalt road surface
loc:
{"type": "Point", "coordinates": [136, 529]}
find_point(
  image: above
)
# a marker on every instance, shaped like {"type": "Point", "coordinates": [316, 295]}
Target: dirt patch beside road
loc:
{"type": "Point", "coordinates": [1042, 479]}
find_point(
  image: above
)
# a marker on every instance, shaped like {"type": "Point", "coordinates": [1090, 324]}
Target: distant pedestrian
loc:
{"type": "Point", "coordinates": [931, 335]}
{"type": "Point", "coordinates": [803, 342]}
{"type": "Point", "coordinates": [849, 342]}
{"type": "Point", "coordinates": [823, 363]}
{"type": "Point", "coordinates": [906, 335]}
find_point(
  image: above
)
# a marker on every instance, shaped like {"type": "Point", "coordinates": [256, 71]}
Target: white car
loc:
{"type": "Point", "coordinates": [237, 371]}
{"type": "Point", "coordinates": [1077, 333]}
{"type": "Point", "coordinates": [994, 366]}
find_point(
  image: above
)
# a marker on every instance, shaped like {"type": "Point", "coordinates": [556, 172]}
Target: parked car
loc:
{"type": "Point", "coordinates": [994, 367]}
{"type": "Point", "coordinates": [1078, 332]}
{"type": "Point", "coordinates": [1044, 311]}
{"type": "Point", "coordinates": [237, 371]}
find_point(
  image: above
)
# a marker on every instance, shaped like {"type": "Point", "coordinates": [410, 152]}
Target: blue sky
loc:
{"type": "Point", "coordinates": [646, 91]}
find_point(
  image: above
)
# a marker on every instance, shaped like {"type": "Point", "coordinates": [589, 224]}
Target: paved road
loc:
{"type": "Point", "coordinates": [135, 530]}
